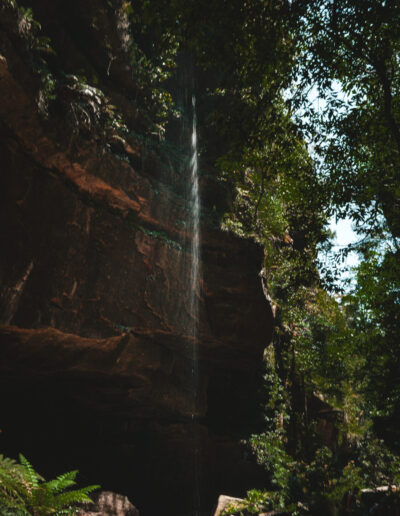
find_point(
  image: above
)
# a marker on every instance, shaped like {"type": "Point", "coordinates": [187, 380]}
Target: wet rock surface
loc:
{"type": "Point", "coordinates": [95, 360]}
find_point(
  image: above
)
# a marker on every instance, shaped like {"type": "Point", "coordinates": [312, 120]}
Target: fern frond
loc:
{"type": "Point", "coordinates": [73, 497]}
{"type": "Point", "coordinates": [62, 482]}
{"type": "Point", "coordinates": [41, 501]}
{"type": "Point", "coordinates": [13, 492]}
{"type": "Point", "coordinates": [6, 463]}
{"type": "Point", "coordinates": [11, 466]}
{"type": "Point", "coordinates": [31, 474]}
{"type": "Point", "coordinates": [64, 500]}
{"type": "Point", "coordinates": [23, 492]}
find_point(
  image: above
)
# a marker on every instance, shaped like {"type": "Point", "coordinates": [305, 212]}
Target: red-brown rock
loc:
{"type": "Point", "coordinates": [95, 355]}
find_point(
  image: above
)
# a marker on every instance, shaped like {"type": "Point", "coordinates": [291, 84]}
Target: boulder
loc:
{"type": "Point", "coordinates": [107, 503]}
{"type": "Point", "coordinates": [223, 502]}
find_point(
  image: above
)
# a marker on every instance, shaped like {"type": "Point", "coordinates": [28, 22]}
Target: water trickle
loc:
{"type": "Point", "coordinates": [194, 230]}
{"type": "Point", "coordinates": [193, 200]}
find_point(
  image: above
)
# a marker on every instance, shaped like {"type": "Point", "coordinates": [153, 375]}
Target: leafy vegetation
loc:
{"type": "Point", "coordinates": [342, 349]}
{"type": "Point", "coordinates": [349, 54]}
{"type": "Point", "coordinates": [24, 492]}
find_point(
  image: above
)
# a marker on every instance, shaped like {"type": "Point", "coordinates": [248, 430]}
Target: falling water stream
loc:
{"type": "Point", "coordinates": [194, 231]}
{"type": "Point", "coordinates": [193, 198]}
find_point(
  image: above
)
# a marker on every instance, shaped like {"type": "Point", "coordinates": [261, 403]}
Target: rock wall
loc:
{"type": "Point", "coordinates": [94, 360]}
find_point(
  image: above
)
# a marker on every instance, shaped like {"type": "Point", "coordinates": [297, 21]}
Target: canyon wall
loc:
{"type": "Point", "coordinates": [95, 362]}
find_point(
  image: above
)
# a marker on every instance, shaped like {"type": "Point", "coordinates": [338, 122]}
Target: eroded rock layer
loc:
{"type": "Point", "coordinates": [95, 359]}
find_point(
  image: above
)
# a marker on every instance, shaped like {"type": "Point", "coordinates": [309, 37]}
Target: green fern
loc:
{"type": "Point", "coordinates": [13, 487]}
{"type": "Point", "coordinates": [62, 482]}
{"type": "Point", "coordinates": [31, 474]}
{"type": "Point", "coordinates": [23, 492]}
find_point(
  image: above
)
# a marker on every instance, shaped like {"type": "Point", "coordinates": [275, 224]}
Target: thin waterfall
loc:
{"type": "Point", "coordinates": [189, 309]}
{"type": "Point", "coordinates": [195, 276]}
{"type": "Point", "coordinates": [194, 230]}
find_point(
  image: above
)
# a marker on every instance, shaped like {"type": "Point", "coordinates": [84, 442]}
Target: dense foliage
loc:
{"type": "Point", "coordinates": [349, 54]}
{"type": "Point", "coordinates": [23, 492]}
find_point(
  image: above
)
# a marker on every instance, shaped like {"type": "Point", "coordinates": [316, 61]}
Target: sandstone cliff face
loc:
{"type": "Point", "coordinates": [95, 359]}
